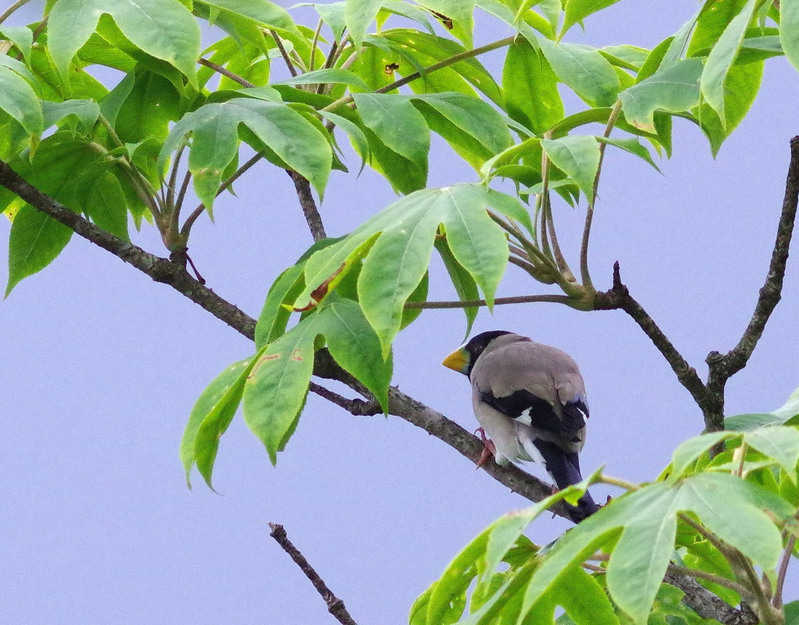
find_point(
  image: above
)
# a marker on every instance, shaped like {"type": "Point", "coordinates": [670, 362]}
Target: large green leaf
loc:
{"type": "Point", "coordinates": [210, 417]}
{"type": "Point", "coordinates": [261, 11]}
{"type": "Point", "coordinates": [35, 241]}
{"type": "Point", "coordinates": [789, 30]}
{"type": "Point", "coordinates": [214, 128]}
{"type": "Point", "coordinates": [164, 29]}
{"type": "Point", "coordinates": [18, 99]}
{"type": "Point", "coordinates": [397, 124]}
{"type": "Point", "coordinates": [531, 88]}
{"type": "Point", "coordinates": [275, 391]}
{"type": "Point", "coordinates": [584, 70]}
{"type": "Point", "coordinates": [675, 90]}
{"type": "Point", "coordinates": [359, 14]}
{"type": "Point", "coordinates": [722, 56]}
{"type": "Point", "coordinates": [471, 126]}
{"type": "Point", "coordinates": [577, 156]}
{"type": "Point", "coordinates": [405, 232]}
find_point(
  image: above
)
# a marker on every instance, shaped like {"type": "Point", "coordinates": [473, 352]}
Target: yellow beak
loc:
{"type": "Point", "coordinates": [457, 361]}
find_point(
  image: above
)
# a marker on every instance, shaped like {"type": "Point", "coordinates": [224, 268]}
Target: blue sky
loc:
{"type": "Point", "coordinates": [101, 366]}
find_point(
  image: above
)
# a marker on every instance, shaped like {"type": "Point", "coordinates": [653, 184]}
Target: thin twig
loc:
{"type": "Point", "coordinates": [334, 605]}
{"type": "Point", "coordinates": [186, 229]}
{"type": "Point", "coordinates": [226, 72]}
{"type": "Point", "coordinates": [427, 70]}
{"type": "Point", "coordinates": [308, 205]}
{"type": "Point", "coordinates": [722, 367]}
{"type": "Point", "coordinates": [782, 570]}
{"type": "Point", "coordinates": [619, 298]}
{"type": "Point", "coordinates": [356, 407]}
{"type": "Point", "coordinates": [283, 53]}
{"type": "Point", "coordinates": [173, 178]}
{"type": "Point", "coordinates": [585, 274]}
{"type": "Point", "coordinates": [315, 44]}
{"type": "Point", "coordinates": [10, 10]}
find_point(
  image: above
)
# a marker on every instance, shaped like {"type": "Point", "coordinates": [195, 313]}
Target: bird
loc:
{"type": "Point", "coordinates": [530, 402]}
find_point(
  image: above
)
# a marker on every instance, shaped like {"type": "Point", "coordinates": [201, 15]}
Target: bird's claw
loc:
{"type": "Point", "coordinates": [489, 449]}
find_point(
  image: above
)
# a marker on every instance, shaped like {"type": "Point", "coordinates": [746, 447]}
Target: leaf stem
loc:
{"type": "Point", "coordinates": [615, 481]}
{"type": "Point", "coordinates": [585, 274]}
{"type": "Point", "coordinates": [315, 45]}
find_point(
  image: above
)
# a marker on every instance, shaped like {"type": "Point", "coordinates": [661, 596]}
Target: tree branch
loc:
{"type": "Point", "coordinates": [722, 367]}
{"type": "Point", "coordinates": [498, 301]}
{"type": "Point", "coordinates": [708, 605]}
{"type": "Point", "coordinates": [334, 605]}
{"type": "Point", "coordinates": [308, 205]}
{"type": "Point", "coordinates": [618, 297]}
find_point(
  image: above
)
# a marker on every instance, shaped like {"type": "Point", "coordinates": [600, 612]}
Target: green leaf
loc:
{"type": "Point", "coordinates": [355, 134]}
{"type": "Point", "coordinates": [792, 613]}
{"type": "Point", "coordinates": [722, 56]}
{"type": "Point", "coordinates": [405, 232]}
{"type": "Point", "coordinates": [428, 49]}
{"type": "Point", "coordinates": [584, 599]}
{"type": "Point", "coordinates": [397, 124]}
{"type": "Point", "coordinates": [584, 70]}
{"type": "Point", "coordinates": [473, 127]}
{"type": "Point", "coordinates": [633, 146]}
{"type": "Point", "coordinates": [778, 443]}
{"type": "Point", "coordinates": [578, 10]}
{"type": "Point", "coordinates": [359, 14]}
{"type": "Point", "coordinates": [261, 11]}
{"type": "Point", "coordinates": [462, 280]}
{"type": "Point", "coordinates": [333, 76]}
{"type": "Point", "coordinates": [85, 111]}
{"type": "Point", "coordinates": [34, 242]}
{"type": "Point", "coordinates": [275, 390]}
{"type": "Point", "coordinates": [789, 30]}
{"type": "Point", "coordinates": [531, 88]}
{"type": "Point", "coordinates": [274, 315]}
{"type": "Point", "coordinates": [691, 450]}
{"type": "Point", "coordinates": [742, 86]}
{"type": "Point", "coordinates": [212, 413]}
{"type": "Point", "coordinates": [214, 128]}
{"type": "Point", "coordinates": [18, 99]}
{"type": "Point", "coordinates": [459, 17]}
{"type": "Point", "coordinates": [164, 29]}
{"type": "Point", "coordinates": [355, 346]}
{"type": "Point", "coordinates": [21, 37]}
{"type": "Point", "coordinates": [151, 104]}
{"type": "Point", "coordinates": [106, 204]}
{"type": "Point", "coordinates": [578, 157]}
{"type": "Point", "coordinates": [675, 90]}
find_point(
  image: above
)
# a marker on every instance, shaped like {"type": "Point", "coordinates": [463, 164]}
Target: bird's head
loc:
{"type": "Point", "coordinates": [462, 359]}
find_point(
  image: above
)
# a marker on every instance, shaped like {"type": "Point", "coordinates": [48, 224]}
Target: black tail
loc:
{"type": "Point", "coordinates": [564, 467]}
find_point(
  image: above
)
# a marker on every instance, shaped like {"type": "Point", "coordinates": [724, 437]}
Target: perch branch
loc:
{"type": "Point", "coordinates": [334, 605]}
{"type": "Point", "coordinates": [308, 205]}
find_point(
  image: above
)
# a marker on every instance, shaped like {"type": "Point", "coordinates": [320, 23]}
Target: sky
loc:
{"type": "Point", "coordinates": [100, 367]}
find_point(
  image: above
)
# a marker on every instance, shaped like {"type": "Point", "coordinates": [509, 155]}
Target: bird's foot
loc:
{"type": "Point", "coordinates": [489, 449]}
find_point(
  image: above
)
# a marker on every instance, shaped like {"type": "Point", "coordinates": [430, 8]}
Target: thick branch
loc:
{"type": "Point", "coordinates": [334, 605]}
{"type": "Point", "coordinates": [723, 367]}
{"type": "Point", "coordinates": [159, 269]}
{"type": "Point", "coordinates": [708, 605]}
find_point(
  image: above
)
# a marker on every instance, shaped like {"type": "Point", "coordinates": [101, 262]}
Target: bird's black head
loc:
{"type": "Point", "coordinates": [477, 344]}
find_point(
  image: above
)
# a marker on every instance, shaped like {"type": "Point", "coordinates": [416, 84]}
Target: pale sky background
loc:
{"type": "Point", "coordinates": [100, 367]}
